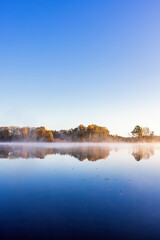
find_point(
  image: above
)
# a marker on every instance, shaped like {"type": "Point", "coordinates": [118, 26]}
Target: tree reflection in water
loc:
{"type": "Point", "coordinates": [81, 153]}
{"type": "Point", "coordinates": [142, 152]}
{"type": "Point", "coordinates": [91, 153]}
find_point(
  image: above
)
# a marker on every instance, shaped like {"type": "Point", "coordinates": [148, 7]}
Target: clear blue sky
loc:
{"type": "Point", "coordinates": [70, 62]}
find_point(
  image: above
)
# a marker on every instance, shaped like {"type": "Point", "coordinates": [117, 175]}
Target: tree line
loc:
{"type": "Point", "coordinates": [91, 133]}
{"type": "Point", "coordinates": [25, 134]}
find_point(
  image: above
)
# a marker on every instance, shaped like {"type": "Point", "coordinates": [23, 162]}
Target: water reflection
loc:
{"type": "Point", "coordinates": [91, 153]}
{"type": "Point", "coordinates": [81, 153]}
{"type": "Point", "coordinates": [62, 198]}
{"type": "Point", "coordinates": [142, 152]}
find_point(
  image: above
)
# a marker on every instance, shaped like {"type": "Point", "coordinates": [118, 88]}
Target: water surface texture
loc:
{"type": "Point", "coordinates": [79, 191]}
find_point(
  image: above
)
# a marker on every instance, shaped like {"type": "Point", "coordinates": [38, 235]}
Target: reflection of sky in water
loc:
{"type": "Point", "coordinates": [61, 197]}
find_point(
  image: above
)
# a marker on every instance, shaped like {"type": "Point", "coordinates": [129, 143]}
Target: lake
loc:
{"type": "Point", "coordinates": [79, 191]}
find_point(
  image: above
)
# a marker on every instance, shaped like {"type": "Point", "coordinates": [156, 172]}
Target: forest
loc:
{"type": "Point", "coordinates": [91, 133]}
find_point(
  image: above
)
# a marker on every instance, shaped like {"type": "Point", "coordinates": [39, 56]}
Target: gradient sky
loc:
{"type": "Point", "coordinates": [70, 62]}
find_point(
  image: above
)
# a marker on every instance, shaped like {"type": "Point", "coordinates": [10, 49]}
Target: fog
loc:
{"type": "Point", "coordinates": [80, 151]}
{"type": "Point", "coordinates": [71, 144]}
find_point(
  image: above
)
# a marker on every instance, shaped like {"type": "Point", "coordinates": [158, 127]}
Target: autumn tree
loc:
{"type": "Point", "coordinates": [40, 133]}
{"type": "Point", "coordinates": [24, 132]}
{"type": "Point", "coordinates": [49, 136]}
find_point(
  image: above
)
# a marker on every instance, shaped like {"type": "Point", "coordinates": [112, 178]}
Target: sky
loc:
{"type": "Point", "coordinates": [70, 62]}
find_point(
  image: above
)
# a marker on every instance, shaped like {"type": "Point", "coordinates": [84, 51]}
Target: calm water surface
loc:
{"type": "Point", "coordinates": [67, 191]}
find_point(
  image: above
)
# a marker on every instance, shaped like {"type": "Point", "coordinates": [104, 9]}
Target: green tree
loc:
{"type": "Point", "coordinates": [137, 132]}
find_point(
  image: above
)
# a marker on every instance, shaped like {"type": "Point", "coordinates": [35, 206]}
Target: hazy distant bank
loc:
{"type": "Point", "coordinates": [91, 133]}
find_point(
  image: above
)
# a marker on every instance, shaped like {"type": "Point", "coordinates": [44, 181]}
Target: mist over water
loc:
{"type": "Point", "coordinates": [84, 191]}
{"type": "Point", "coordinates": [81, 151]}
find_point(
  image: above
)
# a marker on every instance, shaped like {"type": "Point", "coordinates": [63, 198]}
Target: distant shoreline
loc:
{"type": "Point", "coordinates": [81, 134]}
{"type": "Point", "coordinates": [62, 143]}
